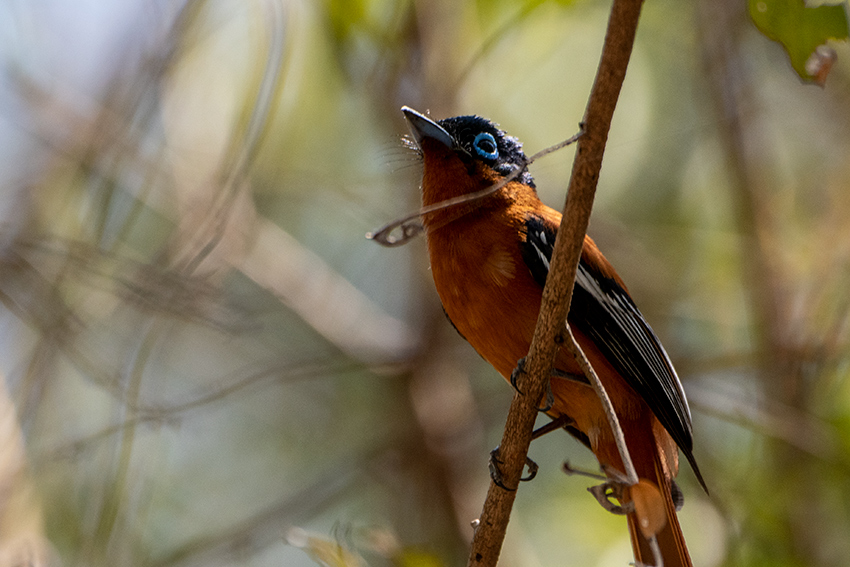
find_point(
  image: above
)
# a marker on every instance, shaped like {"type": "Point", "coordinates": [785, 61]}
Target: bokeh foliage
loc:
{"type": "Point", "coordinates": [206, 363]}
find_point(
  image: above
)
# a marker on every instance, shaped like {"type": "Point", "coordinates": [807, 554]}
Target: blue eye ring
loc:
{"type": "Point", "coordinates": [485, 145]}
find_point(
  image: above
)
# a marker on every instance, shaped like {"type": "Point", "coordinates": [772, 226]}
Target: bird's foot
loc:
{"type": "Point", "coordinates": [496, 472]}
{"type": "Point", "coordinates": [519, 370]}
{"type": "Point", "coordinates": [611, 489]}
{"type": "Point", "coordinates": [604, 492]}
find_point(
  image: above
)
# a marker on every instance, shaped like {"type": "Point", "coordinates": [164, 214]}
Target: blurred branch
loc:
{"type": "Point", "coordinates": [324, 299]}
{"type": "Point", "coordinates": [266, 527]}
{"type": "Point", "coordinates": [348, 474]}
{"type": "Point", "coordinates": [449, 435]}
{"type": "Point", "coordinates": [785, 375]}
{"type": "Point", "coordinates": [550, 333]}
{"type": "Point", "coordinates": [114, 506]}
{"type": "Point", "coordinates": [300, 278]}
{"type": "Point", "coordinates": [235, 167]}
{"type": "Point", "coordinates": [493, 39]}
{"type": "Point", "coordinates": [733, 102]}
{"type": "Point", "coordinates": [37, 299]}
{"type": "Point", "coordinates": [153, 413]}
{"type": "Point", "coordinates": [772, 419]}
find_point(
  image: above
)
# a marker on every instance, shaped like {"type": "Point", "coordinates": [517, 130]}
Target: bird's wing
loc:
{"type": "Point", "coordinates": [603, 310]}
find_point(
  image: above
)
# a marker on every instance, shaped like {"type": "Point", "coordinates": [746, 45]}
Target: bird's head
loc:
{"type": "Point", "coordinates": [463, 155]}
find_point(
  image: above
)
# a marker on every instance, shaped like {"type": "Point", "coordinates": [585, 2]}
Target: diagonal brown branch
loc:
{"type": "Point", "coordinates": [550, 332]}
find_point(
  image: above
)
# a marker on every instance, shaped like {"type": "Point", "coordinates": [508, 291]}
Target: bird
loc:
{"type": "Point", "coordinates": [489, 257]}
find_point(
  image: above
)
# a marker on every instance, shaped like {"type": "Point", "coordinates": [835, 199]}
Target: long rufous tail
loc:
{"type": "Point", "coordinates": [653, 498]}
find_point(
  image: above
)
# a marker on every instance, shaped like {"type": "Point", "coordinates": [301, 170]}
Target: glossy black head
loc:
{"type": "Point", "coordinates": [474, 138]}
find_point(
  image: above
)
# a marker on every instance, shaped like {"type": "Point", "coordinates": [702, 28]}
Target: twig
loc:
{"type": "Point", "coordinates": [411, 226]}
{"type": "Point", "coordinates": [613, 422]}
{"type": "Point", "coordinates": [550, 334]}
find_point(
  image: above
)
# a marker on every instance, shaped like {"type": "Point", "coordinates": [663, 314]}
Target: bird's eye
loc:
{"type": "Point", "coordinates": [485, 145]}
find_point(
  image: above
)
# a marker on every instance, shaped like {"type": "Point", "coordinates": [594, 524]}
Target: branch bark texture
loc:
{"type": "Point", "coordinates": [550, 333]}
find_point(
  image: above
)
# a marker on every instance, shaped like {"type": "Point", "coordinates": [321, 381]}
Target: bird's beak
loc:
{"type": "Point", "coordinates": [422, 127]}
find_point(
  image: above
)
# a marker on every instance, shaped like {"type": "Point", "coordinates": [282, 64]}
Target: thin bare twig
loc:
{"type": "Point", "coordinates": [550, 333]}
{"type": "Point", "coordinates": [411, 225]}
{"type": "Point", "coordinates": [596, 384]}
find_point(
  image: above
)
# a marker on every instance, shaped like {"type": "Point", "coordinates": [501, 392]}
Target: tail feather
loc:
{"type": "Point", "coordinates": [671, 541]}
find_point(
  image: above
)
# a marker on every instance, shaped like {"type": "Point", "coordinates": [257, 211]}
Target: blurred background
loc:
{"type": "Point", "coordinates": [206, 363]}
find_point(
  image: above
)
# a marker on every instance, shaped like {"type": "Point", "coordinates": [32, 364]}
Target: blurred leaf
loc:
{"type": "Point", "coordinates": [417, 558]}
{"type": "Point", "coordinates": [345, 14]}
{"type": "Point", "coordinates": [802, 30]}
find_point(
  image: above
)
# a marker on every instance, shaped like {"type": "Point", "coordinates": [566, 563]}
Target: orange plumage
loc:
{"type": "Point", "coordinates": [489, 261]}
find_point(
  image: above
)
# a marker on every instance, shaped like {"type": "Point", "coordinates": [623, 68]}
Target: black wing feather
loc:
{"type": "Point", "coordinates": [603, 310]}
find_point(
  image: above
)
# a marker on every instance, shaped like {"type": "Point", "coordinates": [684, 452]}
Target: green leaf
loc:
{"type": "Point", "coordinates": [802, 30]}
{"type": "Point", "coordinates": [414, 558]}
